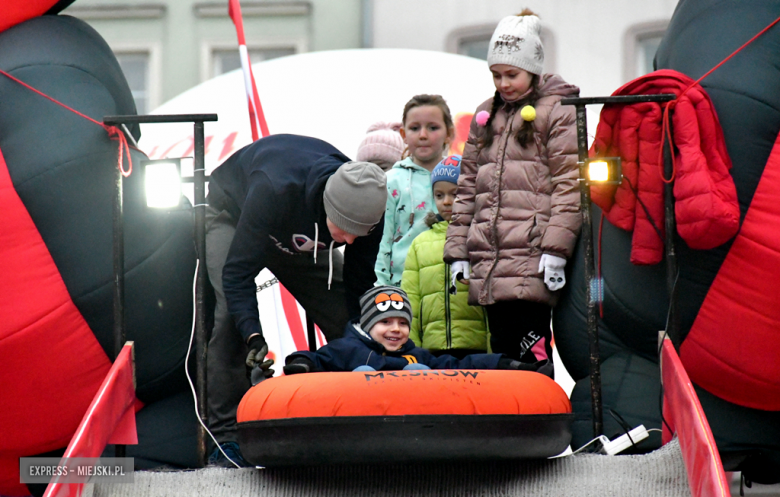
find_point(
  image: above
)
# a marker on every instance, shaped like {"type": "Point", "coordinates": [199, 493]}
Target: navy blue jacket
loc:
{"type": "Point", "coordinates": [273, 188]}
{"type": "Point", "coordinates": [357, 348]}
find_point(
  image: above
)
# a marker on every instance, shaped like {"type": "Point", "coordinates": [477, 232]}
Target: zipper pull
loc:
{"type": "Point", "coordinates": [411, 219]}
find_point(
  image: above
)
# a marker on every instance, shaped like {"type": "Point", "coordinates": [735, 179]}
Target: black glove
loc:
{"type": "Point", "coordinates": [544, 366]}
{"type": "Point", "coordinates": [259, 368]}
{"type": "Point", "coordinates": [299, 365]}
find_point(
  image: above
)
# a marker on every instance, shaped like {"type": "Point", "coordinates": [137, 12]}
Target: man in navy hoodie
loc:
{"type": "Point", "coordinates": [284, 203]}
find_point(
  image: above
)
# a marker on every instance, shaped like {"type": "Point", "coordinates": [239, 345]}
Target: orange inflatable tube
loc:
{"type": "Point", "coordinates": [403, 416]}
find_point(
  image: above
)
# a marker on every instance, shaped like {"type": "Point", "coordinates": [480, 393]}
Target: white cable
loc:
{"type": "Point", "coordinates": [595, 439]}
{"type": "Point", "coordinates": [330, 263]}
{"type": "Point", "coordinates": [625, 441]}
{"type": "Point", "coordinates": [605, 442]}
{"type": "Point", "coordinates": [128, 134]}
{"type": "Point", "coordinates": [187, 369]}
{"type": "Point", "coordinates": [316, 240]}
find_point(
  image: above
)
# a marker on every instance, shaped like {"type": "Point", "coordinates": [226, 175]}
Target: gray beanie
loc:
{"type": "Point", "coordinates": [516, 42]}
{"type": "Point", "coordinates": [355, 197]}
{"type": "Point", "coordinates": [382, 302]}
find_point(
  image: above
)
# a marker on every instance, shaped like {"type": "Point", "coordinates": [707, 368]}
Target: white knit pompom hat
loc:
{"type": "Point", "coordinates": [516, 41]}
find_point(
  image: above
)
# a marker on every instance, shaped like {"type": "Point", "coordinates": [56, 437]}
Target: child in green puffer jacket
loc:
{"type": "Point", "coordinates": [442, 321]}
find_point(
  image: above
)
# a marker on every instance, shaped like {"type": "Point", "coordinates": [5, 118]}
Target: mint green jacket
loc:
{"type": "Point", "coordinates": [440, 320]}
{"type": "Point", "coordinates": [409, 199]}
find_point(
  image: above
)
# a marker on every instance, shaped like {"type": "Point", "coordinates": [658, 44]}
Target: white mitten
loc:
{"type": "Point", "coordinates": [460, 271]}
{"type": "Point", "coordinates": [552, 265]}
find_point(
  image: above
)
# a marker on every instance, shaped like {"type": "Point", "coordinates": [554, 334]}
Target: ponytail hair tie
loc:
{"type": "Point", "coordinates": [482, 117]}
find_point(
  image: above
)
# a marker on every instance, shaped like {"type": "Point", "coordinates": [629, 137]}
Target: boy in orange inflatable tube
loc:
{"type": "Point", "coordinates": [379, 341]}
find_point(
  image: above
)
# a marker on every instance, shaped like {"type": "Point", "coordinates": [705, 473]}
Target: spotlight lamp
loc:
{"type": "Point", "coordinates": [601, 171]}
{"type": "Point", "coordinates": [162, 181]}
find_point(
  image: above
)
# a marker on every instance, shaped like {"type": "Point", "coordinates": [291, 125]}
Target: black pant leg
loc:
{"type": "Point", "coordinates": [502, 320]}
{"type": "Point", "coordinates": [520, 329]}
{"type": "Point", "coordinates": [225, 364]}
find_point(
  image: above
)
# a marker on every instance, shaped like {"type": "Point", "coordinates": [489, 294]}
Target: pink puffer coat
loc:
{"type": "Point", "coordinates": [516, 203]}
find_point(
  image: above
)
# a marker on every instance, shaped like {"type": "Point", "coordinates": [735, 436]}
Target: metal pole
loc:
{"type": "Point", "coordinates": [200, 285]}
{"type": "Point", "coordinates": [670, 229]}
{"type": "Point", "coordinates": [590, 275]}
{"type": "Point", "coordinates": [587, 234]}
{"type": "Point", "coordinates": [119, 276]}
{"type": "Point", "coordinates": [199, 181]}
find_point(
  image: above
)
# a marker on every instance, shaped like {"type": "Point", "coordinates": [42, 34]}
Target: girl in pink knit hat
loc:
{"type": "Point", "coordinates": [382, 145]}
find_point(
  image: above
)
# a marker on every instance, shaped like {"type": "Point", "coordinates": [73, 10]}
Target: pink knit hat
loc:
{"type": "Point", "coordinates": [382, 145]}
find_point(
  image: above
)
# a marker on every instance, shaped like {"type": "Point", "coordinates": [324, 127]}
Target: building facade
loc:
{"type": "Point", "coordinates": [169, 46]}
{"type": "Point", "coordinates": [596, 44]}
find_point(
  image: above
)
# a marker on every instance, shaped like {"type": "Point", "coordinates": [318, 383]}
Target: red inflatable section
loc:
{"type": "Point", "coordinates": [733, 347]}
{"type": "Point", "coordinates": [18, 11]}
{"type": "Point", "coordinates": [110, 419]}
{"type": "Point", "coordinates": [684, 416]}
{"type": "Point", "coordinates": [49, 355]}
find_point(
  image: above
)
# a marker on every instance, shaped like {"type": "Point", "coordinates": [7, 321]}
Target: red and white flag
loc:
{"type": "Point", "coordinates": [256, 117]}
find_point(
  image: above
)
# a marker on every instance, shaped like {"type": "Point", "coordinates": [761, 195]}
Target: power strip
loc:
{"type": "Point", "coordinates": [623, 442]}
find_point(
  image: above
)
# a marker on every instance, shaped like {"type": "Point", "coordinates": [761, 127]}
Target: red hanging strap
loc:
{"type": "Point", "coordinates": [665, 131]}
{"type": "Point", "coordinates": [114, 133]}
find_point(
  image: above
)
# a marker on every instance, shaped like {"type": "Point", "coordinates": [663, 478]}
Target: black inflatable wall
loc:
{"type": "Point", "coordinates": [62, 167]}
{"type": "Point", "coordinates": [746, 95]}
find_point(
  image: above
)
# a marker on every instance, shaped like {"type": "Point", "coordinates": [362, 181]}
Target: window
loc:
{"type": "Point", "coordinates": [221, 56]}
{"type": "Point", "coordinates": [646, 48]}
{"type": "Point", "coordinates": [475, 47]}
{"type": "Point", "coordinates": [641, 44]}
{"type": "Point", "coordinates": [135, 66]}
{"type": "Point", "coordinates": [226, 60]}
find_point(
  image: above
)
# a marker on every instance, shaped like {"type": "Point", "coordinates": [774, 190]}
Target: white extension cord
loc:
{"type": "Point", "coordinates": [624, 441]}
{"type": "Point", "coordinates": [187, 368]}
{"type": "Point", "coordinates": [602, 444]}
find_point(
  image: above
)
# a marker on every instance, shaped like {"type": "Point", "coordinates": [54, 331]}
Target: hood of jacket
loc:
{"type": "Point", "coordinates": [297, 168]}
{"type": "Point", "coordinates": [552, 84]}
{"type": "Point", "coordinates": [440, 226]}
{"type": "Point", "coordinates": [314, 185]}
{"type": "Point", "coordinates": [408, 163]}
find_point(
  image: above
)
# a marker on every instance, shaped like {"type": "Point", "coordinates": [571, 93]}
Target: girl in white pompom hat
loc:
{"type": "Point", "coordinates": [516, 216]}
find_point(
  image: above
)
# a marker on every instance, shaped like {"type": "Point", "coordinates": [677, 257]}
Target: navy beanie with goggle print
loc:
{"type": "Point", "coordinates": [382, 302]}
